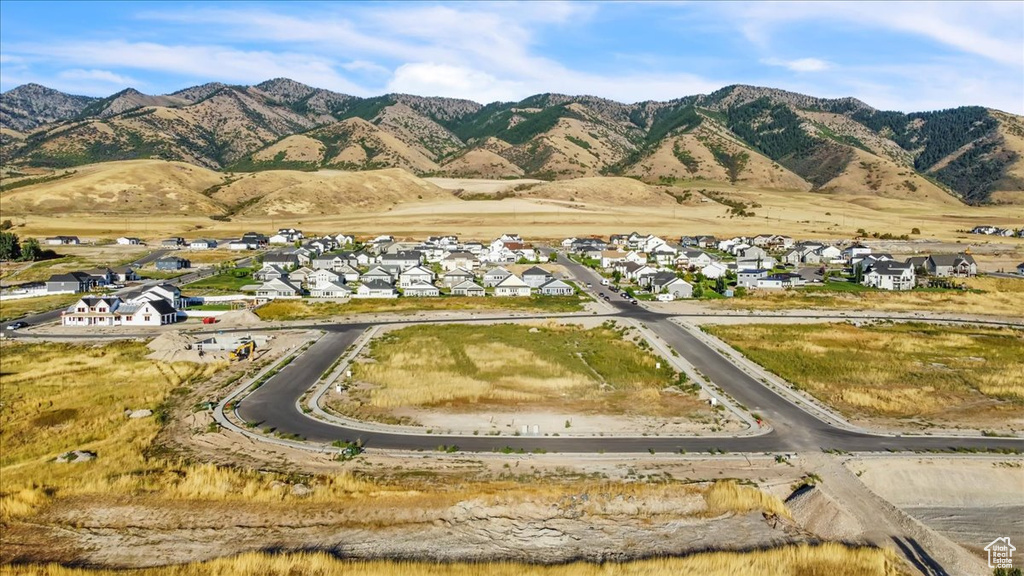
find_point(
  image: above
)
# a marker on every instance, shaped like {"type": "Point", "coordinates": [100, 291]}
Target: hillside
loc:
{"type": "Point", "coordinates": [604, 191]}
{"type": "Point", "coordinates": [133, 188]}
{"type": "Point", "coordinates": [744, 135]}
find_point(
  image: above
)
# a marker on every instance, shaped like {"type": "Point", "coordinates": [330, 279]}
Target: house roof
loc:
{"type": "Point", "coordinates": [375, 284]}
{"type": "Point", "coordinates": [951, 259]}
{"type": "Point", "coordinates": [498, 270]}
{"type": "Point", "coordinates": [536, 271]}
{"type": "Point", "coordinates": [279, 285]}
{"type": "Point", "coordinates": [554, 283]}
{"type": "Point", "coordinates": [467, 285]}
{"type": "Point", "coordinates": [512, 281]}
{"type": "Point", "coordinates": [421, 286]}
{"type": "Point", "coordinates": [460, 272]}
{"type": "Point", "coordinates": [333, 286]}
{"type": "Point", "coordinates": [69, 277]}
{"type": "Point", "coordinates": [161, 306]}
{"type": "Point", "coordinates": [417, 271]}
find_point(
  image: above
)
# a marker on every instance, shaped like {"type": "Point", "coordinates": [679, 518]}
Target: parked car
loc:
{"type": "Point", "coordinates": [17, 325]}
{"type": "Point", "coordinates": [634, 301]}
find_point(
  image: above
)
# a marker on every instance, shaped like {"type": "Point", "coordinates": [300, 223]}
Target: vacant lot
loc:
{"type": "Point", "coordinates": [988, 295]}
{"type": "Point", "coordinates": [229, 281]}
{"type": "Point", "coordinates": [920, 374]}
{"type": "Point", "coordinates": [303, 309]}
{"type": "Point", "coordinates": [11, 309]}
{"type": "Point", "coordinates": [467, 368]}
{"type": "Point", "coordinates": [831, 559]}
{"type": "Point", "coordinates": [71, 258]}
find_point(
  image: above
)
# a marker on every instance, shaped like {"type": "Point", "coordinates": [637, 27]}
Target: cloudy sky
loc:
{"type": "Point", "coordinates": [902, 56]}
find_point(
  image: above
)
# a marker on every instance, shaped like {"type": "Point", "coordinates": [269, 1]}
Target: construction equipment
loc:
{"type": "Point", "coordinates": [209, 320]}
{"type": "Point", "coordinates": [245, 350]}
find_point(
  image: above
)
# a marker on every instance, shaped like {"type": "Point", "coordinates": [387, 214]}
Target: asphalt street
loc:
{"type": "Point", "coordinates": [274, 405]}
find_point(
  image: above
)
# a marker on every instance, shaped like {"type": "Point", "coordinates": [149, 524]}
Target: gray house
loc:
{"type": "Point", "coordinates": [537, 277]}
{"type": "Point", "coordinates": [172, 263]}
{"type": "Point", "coordinates": [495, 275]}
{"type": "Point", "coordinates": [749, 278]}
{"type": "Point", "coordinates": [468, 288]}
{"type": "Point", "coordinates": [402, 259]}
{"type": "Point", "coordinates": [959, 265]}
{"type": "Point", "coordinates": [456, 277]}
{"type": "Point", "coordinates": [70, 283]}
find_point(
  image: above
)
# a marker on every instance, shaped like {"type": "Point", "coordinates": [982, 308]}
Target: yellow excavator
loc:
{"type": "Point", "coordinates": [245, 350]}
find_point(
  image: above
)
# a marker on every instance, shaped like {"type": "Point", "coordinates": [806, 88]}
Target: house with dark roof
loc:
{"type": "Point", "coordinates": [536, 277]}
{"type": "Point", "coordinates": [890, 275]}
{"type": "Point", "coordinates": [556, 287]}
{"type": "Point", "coordinates": [1020, 268]}
{"type": "Point", "coordinates": [70, 283]}
{"type": "Point", "coordinates": [112, 311]}
{"type": "Point", "coordinates": [62, 240]}
{"type": "Point", "coordinates": [376, 289]}
{"type": "Point", "coordinates": [956, 265]}
{"type": "Point", "coordinates": [172, 263]}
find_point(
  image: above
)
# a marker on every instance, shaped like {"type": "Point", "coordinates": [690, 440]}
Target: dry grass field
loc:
{"type": "Point", "coordinates": [11, 309]}
{"type": "Point", "coordinates": [82, 257]}
{"type": "Point", "coordinates": [305, 309]}
{"type": "Point", "coordinates": [916, 373]}
{"type": "Point", "coordinates": [802, 560]}
{"type": "Point", "coordinates": [459, 366]}
{"type": "Point", "coordinates": [987, 295]}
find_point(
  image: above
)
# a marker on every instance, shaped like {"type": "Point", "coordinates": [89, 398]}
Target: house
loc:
{"type": "Point", "coordinates": [1020, 268]}
{"type": "Point", "coordinates": [62, 240]}
{"type": "Point", "coordinates": [240, 245]}
{"type": "Point", "coordinates": [512, 285]}
{"type": "Point", "coordinates": [957, 265]}
{"type": "Point", "coordinates": [376, 289]}
{"type": "Point", "coordinates": [455, 260]}
{"type": "Point", "coordinates": [495, 275]}
{"type": "Point", "coordinates": [715, 270]}
{"type": "Point", "coordinates": [112, 311]}
{"type": "Point", "coordinates": [555, 287]}
{"type": "Point", "coordinates": [123, 274]}
{"type": "Point", "coordinates": [641, 271]}
{"type": "Point", "coordinates": [918, 263]}
{"type": "Point", "coordinates": [456, 277]}
{"type": "Point", "coordinates": [69, 283]}
{"type": "Point", "coordinates": [780, 242]}
{"type": "Point", "coordinates": [829, 253]}
{"type": "Point", "coordinates": [853, 251]}
{"type": "Point", "coordinates": [347, 273]}
{"type": "Point", "coordinates": [751, 253]}
{"type": "Point", "coordinates": [696, 258]}
{"type": "Point", "coordinates": [890, 275]}
{"type": "Point", "coordinates": [678, 288]}
{"type": "Point", "coordinates": [754, 263]}
{"type": "Point", "coordinates": [780, 281]}
{"type": "Point", "coordinates": [172, 263]}
{"type": "Point", "coordinates": [344, 239]}
{"type": "Point", "coordinates": [286, 236]}
{"type": "Point", "coordinates": [300, 275]}
{"type": "Point", "coordinates": [254, 239]}
{"type": "Point", "coordinates": [402, 259]}
{"type": "Point", "coordinates": [793, 257]}
{"type": "Point", "coordinates": [277, 288]}
{"type": "Point", "coordinates": [468, 288]}
{"type": "Point", "coordinates": [665, 253]}
{"type": "Point", "coordinates": [330, 290]}
{"type": "Point", "coordinates": [536, 276]}
{"type": "Point", "coordinates": [323, 276]}
{"type": "Point", "coordinates": [101, 276]}
{"type": "Point", "coordinates": [202, 244]}
{"type": "Point", "coordinates": [610, 257]}
{"type": "Point", "coordinates": [749, 278]}
{"type": "Point", "coordinates": [660, 280]}
{"type": "Point", "coordinates": [166, 292]}
{"type": "Point", "coordinates": [283, 260]}
{"type": "Point", "coordinates": [378, 274]}
{"type": "Point", "coordinates": [420, 289]}
{"type": "Point", "coordinates": [415, 275]}
{"type": "Point", "coordinates": [175, 242]}
{"type": "Point", "coordinates": [269, 272]}
{"type": "Point", "coordinates": [333, 261]}
{"type": "Point", "coordinates": [129, 241]}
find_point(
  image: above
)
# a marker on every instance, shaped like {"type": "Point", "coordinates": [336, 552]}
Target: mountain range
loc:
{"type": "Point", "coordinates": [746, 135]}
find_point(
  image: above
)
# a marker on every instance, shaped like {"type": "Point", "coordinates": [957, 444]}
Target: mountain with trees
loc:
{"type": "Point", "coordinates": [745, 135]}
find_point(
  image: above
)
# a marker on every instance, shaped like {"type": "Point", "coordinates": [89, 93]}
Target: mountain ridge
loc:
{"type": "Point", "coordinates": [747, 135]}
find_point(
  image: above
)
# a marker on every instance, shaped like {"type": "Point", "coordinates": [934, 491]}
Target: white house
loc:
{"type": "Point", "coordinates": [421, 289]}
{"type": "Point", "coordinates": [376, 289]}
{"type": "Point", "coordinates": [112, 311]}
{"type": "Point", "coordinates": [415, 275]}
{"type": "Point", "coordinates": [536, 276]}
{"type": "Point", "coordinates": [715, 270]}
{"type": "Point", "coordinates": [890, 275]}
{"type": "Point", "coordinates": [277, 288]}
{"type": "Point", "coordinates": [749, 278]}
{"type": "Point", "coordinates": [512, 285]}
{"type": "Point", "coordinates": [679, 288]}
{"type": "Point", "coordinates": [454, 260]}
{"type": "Point", "coordinates": [128, 241]}
{"type": "Point", "coordinates": [780, 281]}
{"type": "Point", "coordinates": [202, 244]}
{"type": "Point", "coordinates": [330, 290]}
{"type": "Point", "coordinates": [495, 275]}
{"type": "Point", "coordinates": [468, 288]}
{"type": "Point", "coordinates": [555, 287]}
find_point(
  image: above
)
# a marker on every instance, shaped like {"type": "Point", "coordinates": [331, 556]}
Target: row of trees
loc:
{"type": "Point", "coordinates": [11, 248]}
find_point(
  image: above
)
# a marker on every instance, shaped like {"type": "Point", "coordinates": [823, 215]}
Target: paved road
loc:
{"type": "Point", "coordinates": [274, 406]}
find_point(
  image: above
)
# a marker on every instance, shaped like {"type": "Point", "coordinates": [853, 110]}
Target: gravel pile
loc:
{"type": "Point", "coordinates": [817, 512]}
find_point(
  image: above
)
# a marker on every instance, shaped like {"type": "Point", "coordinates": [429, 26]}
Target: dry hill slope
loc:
{"type": "Point", "coordinates": [607, 191]}
{"type": "Point", "coordinates": [134, 187]}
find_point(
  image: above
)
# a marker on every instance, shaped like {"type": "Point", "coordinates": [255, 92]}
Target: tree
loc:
{"type": "Point", "coordinates": [10, 247]}
{"type": "Point", "coordinates": [31, 250]}
{"type": "Point", "coordinates": [698, 291]}
{"type": "Point", "coordinates": [6, 224]}
{"type": "Point", "coordinates": [720, 285]}
{"type": "Point", "coordinates": [915, 230]}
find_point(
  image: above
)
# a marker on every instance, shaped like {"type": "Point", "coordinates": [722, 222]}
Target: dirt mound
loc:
{"type": "Point", "coordinates": [241, 318]}
{"type": "Point", "coordinates": [175, 347]}
{"type": "Point", "coordinates": [816, 512]}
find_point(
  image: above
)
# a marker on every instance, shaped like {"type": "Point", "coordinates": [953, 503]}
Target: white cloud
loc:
{"type": "Point", "coordinates": [800, 65]}
{"type": "Point", "coordinates": [98, 75]}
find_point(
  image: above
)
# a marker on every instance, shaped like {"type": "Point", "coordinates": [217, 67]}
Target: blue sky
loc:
{"type": "Point", "coordinates": [902, 56]}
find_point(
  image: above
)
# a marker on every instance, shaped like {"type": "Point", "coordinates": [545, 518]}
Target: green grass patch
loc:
{"type": "Point", "coordinates": [228, 281]}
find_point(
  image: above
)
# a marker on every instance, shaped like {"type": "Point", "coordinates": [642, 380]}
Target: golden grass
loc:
{"type": "Point", "coordinates": [905, 370]}
{"type": "Point", "coordinates": [557, 366]}
{"type": "Point", "coordinates": [1001, 296]}
{"type": "Point", "coordinates": [10, 309]}
{"type": "Point", "coordinates": [800, 560]}
{"type": "Point", "coordinates": [215, 256]}
{"type": "Point", "coordinates": [305, 309]}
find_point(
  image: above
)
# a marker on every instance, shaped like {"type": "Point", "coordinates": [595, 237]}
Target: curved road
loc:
{"type": "Point", "coordinates": [273, 405]}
